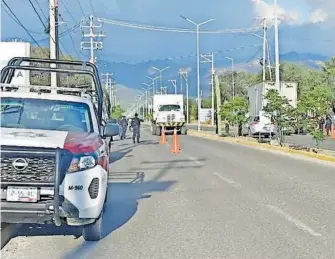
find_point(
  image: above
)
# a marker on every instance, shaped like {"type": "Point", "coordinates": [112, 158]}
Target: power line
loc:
{"type": "Point", "coordinates": [38, 15]}
{"type": "Point", "coordinates": [19, 22]}
{"type": "Point", "coordinates": [74, 45]}
{"type": "Point", "coordinates": [10, 16]}
{"type": "Point", "coordinates": [46, 18]}
{"type": "Point", "coordinates": [184, 56]}
{"type": "Point", "coordinates": [67, 10]}
{"type": "Point", "coordinates": [92, 8]}
{"type": "Point", "coordinates": [171, 29]}
{"type": "Point", "coordinates": [81, 8]}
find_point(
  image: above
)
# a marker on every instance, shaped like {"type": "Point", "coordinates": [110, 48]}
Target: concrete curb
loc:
{"type": "Point", "coordinates": [287, 150]}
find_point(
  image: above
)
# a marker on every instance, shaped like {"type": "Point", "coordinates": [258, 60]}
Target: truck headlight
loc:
{"type": "Point", "coordinates": [82, 162]}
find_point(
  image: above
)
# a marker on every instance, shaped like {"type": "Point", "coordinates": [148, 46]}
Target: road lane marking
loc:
{"type": "Point", "coordinates": [195, 160]}
{"type": "Point", "coordinates": [295, 221]}
{"type": "Point", "coordinates": [229, 181]}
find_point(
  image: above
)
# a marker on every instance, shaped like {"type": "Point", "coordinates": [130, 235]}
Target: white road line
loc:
{"type": "Point", "coordinates": [296, 222]}
{"type": "Point", "coordinates": [229, 181]}
{"type": "Point", "coordinates": [195, 160]}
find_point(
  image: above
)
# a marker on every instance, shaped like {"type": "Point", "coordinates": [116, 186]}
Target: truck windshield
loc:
{"type": "Point", "coordinates": [170, 107]}
{"type": "Point", "coordinates": [45, 115]}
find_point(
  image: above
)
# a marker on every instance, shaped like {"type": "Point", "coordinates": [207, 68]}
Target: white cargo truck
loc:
{"type": "Point", "coordinates": [257, 93]}
{"type": "Point", "coordinates": [168, 112]}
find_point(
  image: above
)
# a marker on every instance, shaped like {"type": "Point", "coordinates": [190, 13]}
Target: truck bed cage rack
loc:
{"type": "Point", "coordinates": [98, 89]}
{"type": "Point", "coordinates": [19, 60]}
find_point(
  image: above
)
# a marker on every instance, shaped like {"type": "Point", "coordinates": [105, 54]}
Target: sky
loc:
{"type": "Point", "coordinates": [305, 26]}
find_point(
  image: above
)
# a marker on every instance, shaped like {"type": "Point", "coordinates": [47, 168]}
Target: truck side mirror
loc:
{"type": "Point", "coordinates": [111, 130]}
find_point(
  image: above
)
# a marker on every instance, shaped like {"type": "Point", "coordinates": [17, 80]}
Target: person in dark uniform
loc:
{"type": "Point", "coordinates": [136, 125]}
{"type": "Point", "coordinates": [124, 125]}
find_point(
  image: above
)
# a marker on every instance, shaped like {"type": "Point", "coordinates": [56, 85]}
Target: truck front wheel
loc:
{"type": "Point", "coordinates": [93, 232]}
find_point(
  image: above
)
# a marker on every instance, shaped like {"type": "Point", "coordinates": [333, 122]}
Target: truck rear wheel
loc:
{"type": "Point", "coordinates": [183, 130]}
{"type": "Point", "coordinates": [158, 130]}
{"type": "Point", "coordinates": [153, 129]}
{"type": "Point", "coordinates": [93, 232]}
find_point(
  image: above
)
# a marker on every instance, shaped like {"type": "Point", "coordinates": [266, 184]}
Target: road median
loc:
{"type": "Point", "coordinates": [253, 143]}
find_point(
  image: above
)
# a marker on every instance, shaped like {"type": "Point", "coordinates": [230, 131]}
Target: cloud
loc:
{"type": "Point", "coordinates": [263, 9]}
{"type": "Point", "coordinates": [318, 15]}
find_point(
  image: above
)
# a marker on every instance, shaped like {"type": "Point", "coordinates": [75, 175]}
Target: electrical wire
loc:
{"type": "Point", "coordinates": [67, 10]}
{"type": "Point", "coordinates": [74, 45]}
{"type": "Point", "coordinates": [171, 29]}
{"type": "Point", "coordinates": [46, 18]}
{"type": "Point", "coordinates": [38, 15]}
{"type": "Point", "coordinates": [92, 8]}
{"type": "Point", "coordinates": [81, 8]}
{"type": "Point", "coordinates": [10, 16]}
{"type": "Point", "coordinates": [19, 22]}
{"type": "Point", "coordinates": [180, 57]}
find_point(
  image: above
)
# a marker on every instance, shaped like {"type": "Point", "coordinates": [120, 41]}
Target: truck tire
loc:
{"type": "Point", "coordinates": [153, 129]}
{"type": "Point", "coordinates": [93, 232]}
{"type": "Point", "coordinates": [158, 130]}
{"type": "Point", "coordinates": [183, 130]}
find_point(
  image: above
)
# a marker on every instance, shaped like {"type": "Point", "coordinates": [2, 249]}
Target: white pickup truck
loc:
{"type": "Point", "coordinates": [54, 154]}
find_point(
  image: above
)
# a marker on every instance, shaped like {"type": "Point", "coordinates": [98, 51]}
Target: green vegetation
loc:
{"type": "Point", "coordinates": [117, 112]}
{"type": "Point", "coordinates": [234, 112]}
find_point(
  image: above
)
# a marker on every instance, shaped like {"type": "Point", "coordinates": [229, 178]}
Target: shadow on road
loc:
{"type": "Point", "coordinates": [124, 192]}
{"type": "Point", "coordinates": [117, 155]}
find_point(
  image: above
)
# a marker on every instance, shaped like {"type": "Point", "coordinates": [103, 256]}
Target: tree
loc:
{"type": "Point", "coordinates": [279, 111]}
{"type": "Point", "coordinates": [317, 103]}
{"type": "Point", "coordinates": [234, 112]}
{"type": "Point", "coordinates": [117, 112]}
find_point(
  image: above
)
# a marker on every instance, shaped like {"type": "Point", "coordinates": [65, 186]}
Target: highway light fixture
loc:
{"type": "Point", "coordinates": [198, 59]}
{"type": "Point", "coordinates": [160, 73]}
{"type": "Point", "coordinates": [153, 83]}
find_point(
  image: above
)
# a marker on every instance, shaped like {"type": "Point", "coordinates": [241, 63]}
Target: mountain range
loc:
{"type": "Point", "coordinates": [131, 76]}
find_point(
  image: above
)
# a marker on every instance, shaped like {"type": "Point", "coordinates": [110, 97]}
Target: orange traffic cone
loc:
{"type": "Point", "coordinates": [163, 139]}
{"type": "Point", "coordinates": [175, 148]}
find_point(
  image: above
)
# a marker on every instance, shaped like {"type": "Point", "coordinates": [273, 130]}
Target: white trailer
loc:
{"type": "Point", "coordinates": [256, 95]}
{"type": "Point", "coordinates": [9, 50]}
{"type": "Point", "coordinates": [168, 112]}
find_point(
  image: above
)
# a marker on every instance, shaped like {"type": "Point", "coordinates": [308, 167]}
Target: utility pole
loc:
{"type": "Point", "coordinates": [276, 46]}
{"type": "Point", "coordinates": [53, 46]}
{"type": "Point", "coordinates": [174, 84]}
{"type": "Point", "coordinates": [232, 73]}
{"type": "Point", "coordinates": [95, 39]}
{"type": "Point", "coordinates": [184, 74]}
{"type": "Point", "coordinates": [264, 50]}
{"type": "Point", "coordinates": [209, 58]}
{"type": "Point", "coordinates": [110, 87]}
{"type": "Point", "coordinates": [198, 60]}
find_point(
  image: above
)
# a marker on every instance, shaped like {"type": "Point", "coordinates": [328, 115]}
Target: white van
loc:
{"type": "Point", "coordinates": [259, 125]}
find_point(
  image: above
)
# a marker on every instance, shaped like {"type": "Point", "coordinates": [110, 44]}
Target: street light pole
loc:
{"type": "Point", "coordinates": [232, 72]}
{"type": "Point", "coordinates": [198, 60]}
{"type": "Point", "coordinates": [276, 46]}
{"type": "Point", "coordinates": [161, 74]}
{"type": "Point", "coordinates": [153, 83]}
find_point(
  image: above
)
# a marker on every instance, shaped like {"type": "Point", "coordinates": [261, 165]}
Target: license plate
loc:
{"type": "Point", "coordinates": [22, 194]}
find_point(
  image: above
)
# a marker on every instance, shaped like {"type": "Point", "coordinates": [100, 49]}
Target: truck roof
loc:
{"type": "Point", "coordinates": [47, 96]}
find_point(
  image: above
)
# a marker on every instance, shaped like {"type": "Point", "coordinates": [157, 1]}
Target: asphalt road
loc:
{"type": "Point", "coordinates": [213, 200]}
{"type": "Point", "coordinates": [303, 140]}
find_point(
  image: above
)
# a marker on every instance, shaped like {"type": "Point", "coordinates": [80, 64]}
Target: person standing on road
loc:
{"type": "Point", "coordinates": [136, 125]}
{"type": "Point", "coordinates": [328, 124]}
{"type": "Point", "coordinates": [124, 125]}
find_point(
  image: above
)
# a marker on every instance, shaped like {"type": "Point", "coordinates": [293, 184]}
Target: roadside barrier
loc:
{"type": "Point", "coordinates": [175, 147]}
{"type": "Point", "coordinates": [163, 138]}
